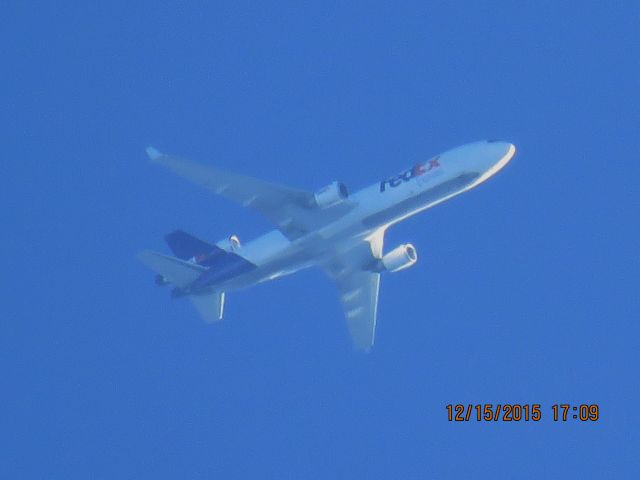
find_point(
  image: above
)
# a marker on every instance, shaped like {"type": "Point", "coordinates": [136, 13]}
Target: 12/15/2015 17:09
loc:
{"type": "Point", "coordinates": [514, 412]}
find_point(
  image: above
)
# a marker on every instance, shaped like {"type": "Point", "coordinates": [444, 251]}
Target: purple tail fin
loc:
{"type": "Point", "coordinates": [185, 246]}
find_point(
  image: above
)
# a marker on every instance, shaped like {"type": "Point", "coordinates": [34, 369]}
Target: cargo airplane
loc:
{"type": "Point", "coordinates": [340, 233]}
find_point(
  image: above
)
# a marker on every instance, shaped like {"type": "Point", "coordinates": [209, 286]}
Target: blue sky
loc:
{"type": "Point", "coordinates": [526, 290]}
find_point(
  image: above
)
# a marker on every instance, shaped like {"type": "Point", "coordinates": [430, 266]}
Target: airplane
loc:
{"type": "Point", "coordinates": [341, 233]}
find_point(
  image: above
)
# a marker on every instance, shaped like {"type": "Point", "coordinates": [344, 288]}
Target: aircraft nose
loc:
{"type": "Point", "coordinates": [499, 153]}
{"type": "Point", "coordinates": [502, 148]}
{"type": "Point", "coordinates": [485, 157]}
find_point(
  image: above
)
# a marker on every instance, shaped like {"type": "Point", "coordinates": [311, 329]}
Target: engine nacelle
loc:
{"type": "Point", "coordinates": [230, 244]}
{"type": "Point", "coordinates": [400, 258]}
{"type": "Point", "coordinates": [333, 193]}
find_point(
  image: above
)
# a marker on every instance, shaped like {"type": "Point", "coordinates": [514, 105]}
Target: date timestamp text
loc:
{"type": "Point", "coordinates": [521, 412]}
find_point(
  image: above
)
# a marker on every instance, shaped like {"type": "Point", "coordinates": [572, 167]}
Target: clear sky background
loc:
{"type": "Point", "coordinates": [526, 290]}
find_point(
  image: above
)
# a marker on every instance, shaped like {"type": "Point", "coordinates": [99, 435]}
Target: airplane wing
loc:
{"type": "Point", "coordinates": [358, 288]}
{"type": "Point", "coordinates": [359, 296]}
{"type": "Point", "coordinates": [290, 209]}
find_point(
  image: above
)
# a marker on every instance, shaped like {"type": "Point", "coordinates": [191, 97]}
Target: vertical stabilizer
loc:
{"type": "Point", "coordinates": [186, 246]}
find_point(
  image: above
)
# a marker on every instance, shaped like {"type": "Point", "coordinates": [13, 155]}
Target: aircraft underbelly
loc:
{"type": "Point", "coordinates": [271, 270]}
{"type": "Point", "coordinates": [344, 234]}
{"type": "Point", "coordinates": [299, 255]}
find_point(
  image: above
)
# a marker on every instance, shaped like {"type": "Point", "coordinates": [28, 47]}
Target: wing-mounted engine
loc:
{"type": "Point", "coordinates": [335, 192]}
{"type": "Point", "coordinates": [400, 258]}
{"type": "Point", "coordinates": [230, 244]}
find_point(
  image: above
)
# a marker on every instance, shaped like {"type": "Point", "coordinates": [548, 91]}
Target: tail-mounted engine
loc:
{"type": "Point", "coordinates": [230, 244]}
{"type": "Point", "coordinates": [333, 193]}
{"type": "Point", "coordinates": [400, 258]}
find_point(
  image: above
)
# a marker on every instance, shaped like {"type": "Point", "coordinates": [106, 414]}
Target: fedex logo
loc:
{"type": "Point", "coordinates": [415, 171]}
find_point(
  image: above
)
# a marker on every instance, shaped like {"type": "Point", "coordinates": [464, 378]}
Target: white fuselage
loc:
{"type": "Point", "coordinates": [377, 207]}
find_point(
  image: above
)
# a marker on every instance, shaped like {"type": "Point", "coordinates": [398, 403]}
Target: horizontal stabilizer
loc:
{"type": "Point", "coordinates": [210, 305]}
{"type": "Point", "coordinates": [176, 271]}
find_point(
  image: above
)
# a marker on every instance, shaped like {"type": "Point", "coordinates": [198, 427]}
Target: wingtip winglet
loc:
{"type": "Point", "coordinates": [153, 153]}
